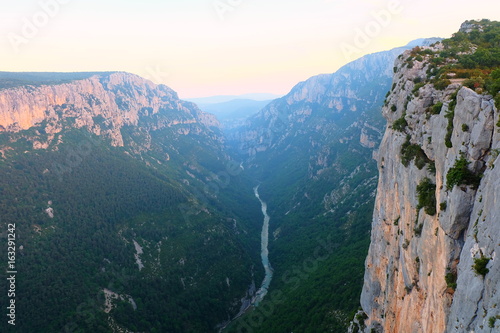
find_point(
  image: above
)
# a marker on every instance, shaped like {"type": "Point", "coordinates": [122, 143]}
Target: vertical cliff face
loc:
{"type": "Point", "coordinates": [431, 265]}
{"type": "Point", "coordinates": [103, 103]}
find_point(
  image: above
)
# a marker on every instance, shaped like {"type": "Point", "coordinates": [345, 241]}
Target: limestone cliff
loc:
{"type": "Point", "coordinates": [103, 103]}
{"type": "Point", "coordinates": [326, 105]}
{"type": "Point", "coordinates": [432, 263]}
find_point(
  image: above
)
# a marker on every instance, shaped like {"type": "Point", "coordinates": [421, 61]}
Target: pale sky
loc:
{"type": "Point", "coordinates": [219, 47]}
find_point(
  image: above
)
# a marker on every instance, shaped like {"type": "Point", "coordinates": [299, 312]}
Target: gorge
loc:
{"type": "Point", "coordinates": [378, 188]}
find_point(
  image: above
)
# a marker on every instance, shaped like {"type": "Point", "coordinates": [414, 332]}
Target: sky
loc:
{"type": "Point", "coordinates": [204, 48]}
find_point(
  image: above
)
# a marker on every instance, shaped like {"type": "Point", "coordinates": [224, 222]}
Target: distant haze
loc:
{"type": "Point", "coordinates": [232, 111]}
{"type": "Point", "coordinates": [227, 98]}
{"type": "Point", "coordinates": [218, 47]}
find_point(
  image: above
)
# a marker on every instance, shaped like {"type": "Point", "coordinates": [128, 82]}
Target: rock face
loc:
{"type": "Point", "coordinates": [416, 256]}
{"type": "Point", "coordinates": [103, 104]}
{"type": "Point", "coordinates": [325, 104]}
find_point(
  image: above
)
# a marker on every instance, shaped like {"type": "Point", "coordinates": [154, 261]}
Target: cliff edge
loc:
{"type": "Point", "coordinates": [432, 263]}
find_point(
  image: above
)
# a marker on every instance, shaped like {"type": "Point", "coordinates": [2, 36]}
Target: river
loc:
{"type": "Point", "coordinates": [264, 253]}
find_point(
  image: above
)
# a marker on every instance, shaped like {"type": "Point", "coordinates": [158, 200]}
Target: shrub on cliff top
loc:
{"type": "Point", "coordinates": [442, 84]}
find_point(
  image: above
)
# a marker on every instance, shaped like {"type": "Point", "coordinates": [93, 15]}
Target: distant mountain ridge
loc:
{"type": "Point", "coordinates": [351, 88]}
{"type": "Point", "coordinates": [103, 103]}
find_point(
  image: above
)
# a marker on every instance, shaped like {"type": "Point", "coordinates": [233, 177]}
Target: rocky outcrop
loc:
{"type": "Point", "coordinates": [103, 104]}
{"type": "Point", "coordinates": [419, 271]}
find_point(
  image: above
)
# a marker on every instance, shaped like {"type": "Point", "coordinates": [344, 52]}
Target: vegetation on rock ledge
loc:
{"type": "Point", "coordinates": [411, 152]}
{"type": "Point", "coordinates": [460, 174]}
{"type": "Point", "coordinates": [426, 192]}
{"type": "Point", "coordinates": [480, 265]}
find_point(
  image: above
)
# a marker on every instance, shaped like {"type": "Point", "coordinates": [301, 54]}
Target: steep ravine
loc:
{"type": "Point", "coordinates": [312, 151]}
{"type": "Point", "coordinates": [413, 248]}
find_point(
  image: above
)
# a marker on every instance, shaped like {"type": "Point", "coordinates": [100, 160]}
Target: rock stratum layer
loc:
{"type": "Point", "coordinates": [423, 271]}
{"type": "Point", "coordinates": [103, 103]}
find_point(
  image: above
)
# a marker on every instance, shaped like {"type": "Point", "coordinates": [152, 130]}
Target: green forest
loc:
{"type": "Point", "coordinates": [196, 267]}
